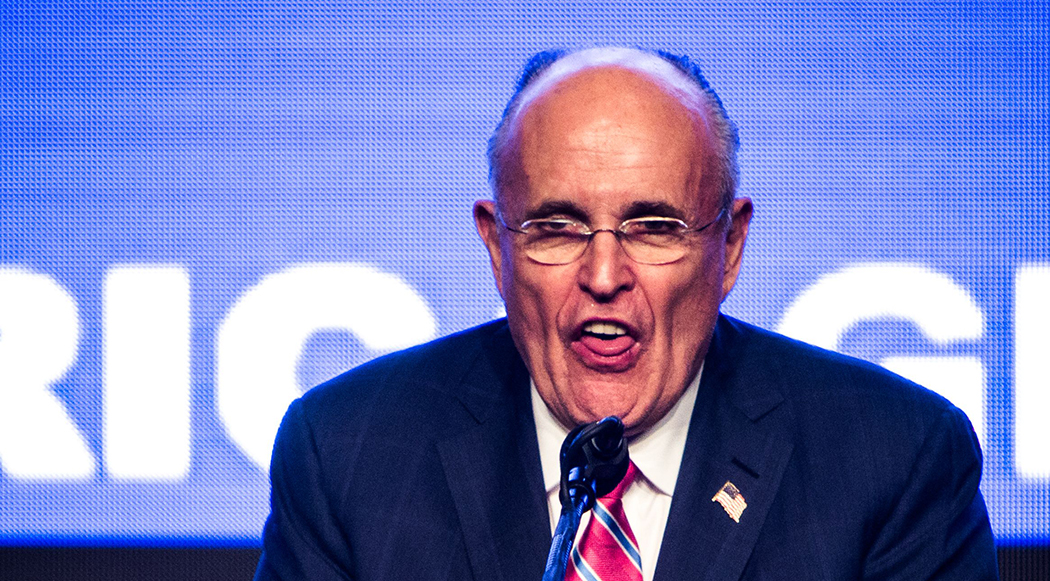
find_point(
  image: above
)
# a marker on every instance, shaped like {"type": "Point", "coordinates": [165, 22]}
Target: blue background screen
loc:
{"type": "Point", "coordinates": [207, 208]}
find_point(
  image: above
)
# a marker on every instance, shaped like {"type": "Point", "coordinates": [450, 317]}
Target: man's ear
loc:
{"type": "Point", "coordinates": [485, 220]}
{"type": "Point", "coordinates": [735, 239]}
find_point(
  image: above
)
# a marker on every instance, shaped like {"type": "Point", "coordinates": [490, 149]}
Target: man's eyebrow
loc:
{"type": "Point", "coordinates": [642, 208]}
{"type": "Point", "coordinates": [557, 207]}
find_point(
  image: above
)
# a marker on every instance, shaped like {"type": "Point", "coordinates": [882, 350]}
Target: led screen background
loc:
{"type": "Point", "coordinates": [207, 208]}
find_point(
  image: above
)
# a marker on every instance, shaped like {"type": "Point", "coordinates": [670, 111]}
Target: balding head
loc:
{"type": "Point", "coordinates": [678, 77]}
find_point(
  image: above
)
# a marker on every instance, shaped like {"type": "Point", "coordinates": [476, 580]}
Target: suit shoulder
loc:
{"type": "Point", "coordinates": [877, 464]}
{"type": "Point", "coordinates": [844, 412]}
{"type": "Point", "coordinates": [365, 414]}
{"type": "Point", "coordinates": [435, 365]}
{"type": "Point", "coordinates": [806, 372]}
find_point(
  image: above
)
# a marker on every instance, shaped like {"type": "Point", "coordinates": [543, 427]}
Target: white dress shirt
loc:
{"type": "Point", "coordinates": [657, 454]}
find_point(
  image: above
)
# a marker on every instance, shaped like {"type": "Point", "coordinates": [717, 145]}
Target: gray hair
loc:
{"type": "Point", "coordinates": [543, 66]}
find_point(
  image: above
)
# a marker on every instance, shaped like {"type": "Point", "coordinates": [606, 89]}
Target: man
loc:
{"type": "Point", "coordinates": [614, 237]}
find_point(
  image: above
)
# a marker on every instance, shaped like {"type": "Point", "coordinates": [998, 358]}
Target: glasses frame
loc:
{"type": "Point", "coordinates": [619, 232]}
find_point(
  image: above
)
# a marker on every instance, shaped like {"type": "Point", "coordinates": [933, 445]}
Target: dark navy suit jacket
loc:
{"type": "Point", "coordinates": [424, 465]}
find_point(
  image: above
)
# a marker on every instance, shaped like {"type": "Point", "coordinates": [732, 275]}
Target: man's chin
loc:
{"type": "Point", "coordinates": [584, 395]}
{"type": "Point", "coordinates": [602, 402]}
{"type": "Point", "coordinates": [634, 423]}
{"type": "Point", "coordinates": [595, 396]}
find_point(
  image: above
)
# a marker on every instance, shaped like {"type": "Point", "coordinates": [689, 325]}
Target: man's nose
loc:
{"type": "Point", "coordinates": [605, 269]}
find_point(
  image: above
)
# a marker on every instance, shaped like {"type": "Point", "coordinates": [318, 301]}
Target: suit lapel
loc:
{"type": "Point", "coordinates": [493, 469]}
{"type": "Point", "coordinates": [733, 437]}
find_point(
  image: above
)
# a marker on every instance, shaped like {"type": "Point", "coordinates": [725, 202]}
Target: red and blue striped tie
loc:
{"type": "Point", "coordinates": [607, 551]}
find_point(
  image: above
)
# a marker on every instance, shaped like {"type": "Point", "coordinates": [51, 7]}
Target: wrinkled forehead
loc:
{"type": "Point", "coordinates": [657, 69]}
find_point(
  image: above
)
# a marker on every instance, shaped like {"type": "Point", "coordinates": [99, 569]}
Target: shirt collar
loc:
{"type": "Point", "coordinates": [657, 453]}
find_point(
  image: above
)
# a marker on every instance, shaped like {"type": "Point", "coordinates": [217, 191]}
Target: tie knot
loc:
{"type": "Point", "coordinates": [617, 493]}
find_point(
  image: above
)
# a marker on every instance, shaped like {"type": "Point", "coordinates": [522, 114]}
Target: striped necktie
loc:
{"type": "Point", "coordinates": [607, 551]}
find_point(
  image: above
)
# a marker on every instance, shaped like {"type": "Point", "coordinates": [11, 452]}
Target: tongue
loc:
{"type": "Point", "coordinates": [607, 347]}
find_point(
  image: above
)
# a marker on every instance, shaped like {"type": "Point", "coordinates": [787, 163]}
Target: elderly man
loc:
{"type": "Point", "coordinates": [614, 237]}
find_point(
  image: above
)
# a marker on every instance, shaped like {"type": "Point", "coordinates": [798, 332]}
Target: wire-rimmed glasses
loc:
{"type": "Point", "coordinates": [647, 240]}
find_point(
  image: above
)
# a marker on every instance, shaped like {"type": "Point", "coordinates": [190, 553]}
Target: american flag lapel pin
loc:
{"type": "Point", "coordinates": [731, 500]}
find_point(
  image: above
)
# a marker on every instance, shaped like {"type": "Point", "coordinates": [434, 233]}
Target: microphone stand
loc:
{"type": "Point", "coordinates": [593, 461]}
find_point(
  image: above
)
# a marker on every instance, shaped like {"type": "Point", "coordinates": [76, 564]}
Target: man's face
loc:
{"type": "Point", "coordinates": [605, 335]}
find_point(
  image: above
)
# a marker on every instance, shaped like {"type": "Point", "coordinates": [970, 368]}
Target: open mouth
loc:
{"type": "Point", "coordinates": [604, 330]}
{"type": "Point", "coordinates": [606, 346]}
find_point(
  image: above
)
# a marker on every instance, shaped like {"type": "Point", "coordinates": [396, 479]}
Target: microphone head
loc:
{"type": "Point", "coordinates": [594, 460]}
{"type": "Point", "coordinates": [608, 438]}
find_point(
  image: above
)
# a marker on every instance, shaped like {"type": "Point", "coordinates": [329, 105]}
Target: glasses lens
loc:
{"type": "Point", "coordinates": [654, 240]}
{"type": "Point", "coordinates": [554, 241]}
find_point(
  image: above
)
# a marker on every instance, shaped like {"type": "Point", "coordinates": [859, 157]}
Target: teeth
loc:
{"type": "Point", "coordinates": [604, 329]}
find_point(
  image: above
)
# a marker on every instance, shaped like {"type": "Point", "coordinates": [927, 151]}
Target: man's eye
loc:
{"type": "Point", "coordinates": [654, 226]}
{"type": "Point", "coordinates": [556, 226]}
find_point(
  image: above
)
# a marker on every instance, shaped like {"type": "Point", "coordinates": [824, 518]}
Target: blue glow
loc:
{"type": "Point", "coordinates": [240, 141]}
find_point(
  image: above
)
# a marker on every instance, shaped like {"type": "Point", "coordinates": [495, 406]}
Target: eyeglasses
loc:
{"type": "Point", "coordinates": [648, 240]}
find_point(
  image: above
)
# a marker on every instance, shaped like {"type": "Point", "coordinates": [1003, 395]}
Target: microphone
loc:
{"type": "Point", "coordinates": [594, 460]}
